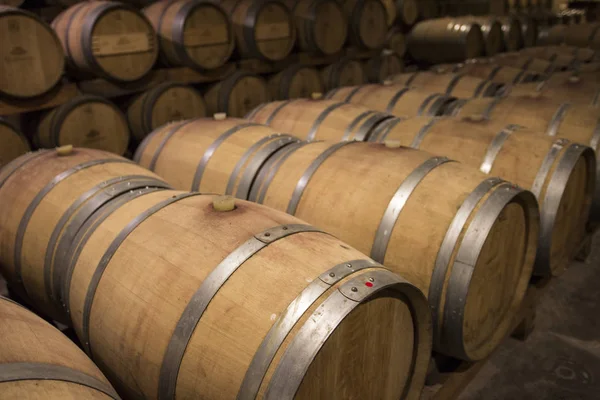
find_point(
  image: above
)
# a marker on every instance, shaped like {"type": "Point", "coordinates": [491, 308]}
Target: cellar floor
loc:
{"type": "Point", "coordinates": [561, 358]}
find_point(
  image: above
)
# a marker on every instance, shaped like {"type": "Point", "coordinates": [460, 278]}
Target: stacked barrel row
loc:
{"type": "Point", "coordinates": [159, 284]}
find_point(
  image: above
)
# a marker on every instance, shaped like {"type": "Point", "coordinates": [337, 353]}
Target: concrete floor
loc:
{"type": "Point", "coordinates": [561, 358]}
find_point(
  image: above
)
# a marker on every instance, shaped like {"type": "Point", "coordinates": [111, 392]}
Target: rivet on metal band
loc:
{"type": "Point", "coordinates": [30, 371]}
{"type": "Point", "coordinates": [423, 132]}
{"type": "Point", "coordinates": [313, 130]}
{"type": "Point", "coordinates": [108, 255]}
{"type": "Point", "coordinates": [426, 102]}
{"type": "Point", "coordinates": [453, 82]}
{"type": "Point", "coordinates": [203, 296]}
{"type": "Point", "coordinates": [305, 178]}
{"type": "Point", "coordinates": [494, 148]}
{"type": "Point", "coordinates": [557, 119]}
{"type": "Point", "coordinates": [211, 150]}
{"type": "Point", "coordinates": [447, 247]}
{"type": "Point", "coordinates": [14, 165]}
{"type": "Point", "coordinates": [397, 203]}
{"type": "Point", "coordinates": [395, 99]}
{"type": "Point", "coordinates": [297, 358]}
{"type": "Point", "coordinates": [287, 320]}
{"type": "Point", "coordinates": [164, 141]}
{"type": "Point", "coordinates": [540, 178]}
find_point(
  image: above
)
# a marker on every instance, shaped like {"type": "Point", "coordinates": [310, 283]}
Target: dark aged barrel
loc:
{"type": "Point", "coordinates": [166, 102]}
{"type": "Point", "coordinates": [39, 362]}
{"type": "Point", "coordinates": [512, 32]}
{"type": "Point", "coordinates": [367, 24]}
{"type": "Point", "coordinates": [14, 143]}
{"type": "Point", "coordinates": [580, 35]}
{"type": "Point", "coordinates": [559, 173]}
{"type": "Point", "coordinates": [396, 41]}
{"type": "Point", "coordinates": [397, 100]}
{"type": "Point", "coordinates": [85, 121]}
{"type": "Point", "coordinates": [45, 197]}
{"type": "Point", "coordinates": [407, 12]}
{"type": "Point", "coordinates": [445, 40]}
{"type": "Point", "coordinates": [318, 119]}
{"type": "Point", "coordinates": [486, 70]}
{"type": "Point", "coordinates": [491, 29]}
{"type": "Point", "coordinates": [108, 39]}
{"type": "Point", "coordinates": [294, 82]}
{"type": "Point", "coordinates": [458, 85]}
{"type": "Point", "coordinates": [345, 72]}
{"type": "Point", "coordinates": [263, 28]}
{"type": "Point", "coordinates": [321, 25]}
{"type": "Point", "coordinates": [552, 36]}
{"type": "Point", "coordinates": [380, 67]}
{"type": "Point", "coordinates": [529, 27]}
{"type": "Point", "coordinates": [237, 95]}
{"type": "Point", "coordinates": [351, 188]}
{"type": "Point", "coordinates": [31, 57]}
{"type": "Point", "coordinates": [192, 33]}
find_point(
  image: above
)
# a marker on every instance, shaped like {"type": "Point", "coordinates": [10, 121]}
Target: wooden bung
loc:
{"type": "Point", "coordinates": [382, 66]}
{"type": "Point", "coordinates": [166, 102]}
{"type": "Point", "coordinates": [393, 99]}
{"type": "Point", "coordinates": [318, 119]}
{"type": "Point", "coordinates": [345, 72]}
{"type": "Point", "coordinates": [237, 95]}
{"type": "Point", "coordinates": [263, 29]}
{"type": "Point", "coordinates": [38, 362]}
{"type": "Point", "coordinates": [14, 143]}
{"type": "Point", "coordinates": [321, 25]}
{"type": "Point", "coordinates": [458, 85]}
{"type": "Point", "coordinates": [34, 249]}
{"type": "Point", "coordinates": [31, 57]}
{"type": "Point", "coordinates": [445, 40]}
{"type": "Point", "coordinates": [107, 39]}
{"type": "Point", "coordinates": [560, 173]}
{"type": "Point", "coordinates": [367, 23]}
{"type": "Point", "coordinates": [352, 190]}
{"type": "Point", "coordinates": [192, 33]}
{"type": "Point", "coordinates": [294, 82]}
{"type": "Point", "coordinates": [272, 304]}
{"type": "Point", "coordinates": [84, 121]}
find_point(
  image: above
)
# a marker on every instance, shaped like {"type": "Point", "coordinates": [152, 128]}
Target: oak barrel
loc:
{"type": "Point", "coordinates": [39, 362]}
{"type": "Point", "coordinates": [491, 28]}
{"type": "Point", "coordinates": [512, 32]}
{"type": "Point", "coordinates": [552, 36]}
{"type": "Point", "coordinates": [318, 119]}
{"type": "Point", "coordinates": [396, 41]}
{"type": "Point", "coordinates": [445, 40]}
{"type": "Point", "coordinates": [14, 143]}
{"type": "Point", "coordinates": [367, 23]}
{"type": "Point", "coordinates": [237, 95]}
{"type": "Point", "coordinates": [321, 25]}
{"type": "Point", "coordinates": [45, 198]}
{"type": "Point", "coordinates": [559, 173]}
{"type": "Point", "coordinates": [458, 85]}
{"type": "Point", "coordinates": [397, 100]}
{"type": "Point", "coordinates": [31, 57]}
{"type": "Point", "coordinates": [529, 28]}
{"type": "Point", "coordinates": [486, 70]}
{"type": "Point", "coordinates": [574, 89]}
{"type": "Point", "coordinates": [263, 29]}
{"type": "Point", "coordinates": [294, 82]}
{"type": "Point", "coordinates": [550, 53]}
{"type": "Point", "coordinates": [380, 67]}
{"type": "Point", "coordinates": [84, 121]}
{"type": "Point", "coordinates": [107, 39]}
{"type": "Point", "coordinates": [581, 35]}
{"type": "Point", "coordinates": [193, 33]}
{"type": "Point", "coordinates": [523, 61]}
{"type": "Point", "coordinates": [406, 12]}
{"type": "Point", "coordinates": [166, 102]}
{"type": "Point", "coordinates": [345, 72]}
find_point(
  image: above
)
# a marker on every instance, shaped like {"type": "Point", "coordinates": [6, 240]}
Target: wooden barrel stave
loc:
{"type": "Point", "coordinates": [321, 25]}
{"type": "Point", "coordinates": [491, 28]}
{"type": "Point", "coordinates": [37, 361]}
{"type": "Point", "coordinates": [367, 23]}
{"type": "Point", "coordinates": [345, 72]}
{"type": "Point", "coordinates": [396, 41]}
{"type": "Point", "coordinates": [237, 95]}
{"type": "Point", "coordinates": [407, 12]}
{"type": "Point", "coordinates": [481, 69]}
{"type": "Point", "coordinates": [512, 31]}
{"type": "Point", "coordinates": [528, 63]}
{"type": "Point", "coordinates": [573, 89]}
{"type": "Point", "coordinates": [14, 144]}
{"type": "Point", "coordinates": [295, 82]}
{"type": "Point", "coordinates": [380, 67]}
{"type": "Point", "coordinates": [458, 85]}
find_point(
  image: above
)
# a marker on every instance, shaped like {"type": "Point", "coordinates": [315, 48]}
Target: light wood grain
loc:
{"type": "Point", "coordinates": [237, 95]}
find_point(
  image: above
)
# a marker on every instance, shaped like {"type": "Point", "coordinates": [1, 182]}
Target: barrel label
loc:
{"type": "Point", "coordinates": [210, 35]}
{"type": "Point", "coordinates": [128, 43]}
{"type": "Point", "coordinates": [272, 31]}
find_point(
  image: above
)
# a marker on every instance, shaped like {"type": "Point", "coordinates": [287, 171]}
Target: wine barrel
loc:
{"type": "Point", "coordinates": [107, 39]}
{"type": "Point", "coordinates": [552, 36]}
{"type": "Point", "coordinates": [393, 99]}
{"type": "Point", "coordinates": [574, 89]}
{"type": "Point", "coordinates": [237, 95]}
{"type": "Point", "coordinates": [39, 362]}
{"type": "Point", "coordinates": [561, 174]}
{"type": "Point", "coordinates": [409, 239]}
{"type": "Point", "coordinates": [263, 29]}
{"type": "Point", "coordinates": [512, 32]}
{"type": "Point", "coordinates": [580, 35]}
{"type": "Point", "coordinates": [380, 67]}
{"type": "Point", "coordinates": [406, 12]}
{"type": "Point", "coordinates": [445, 40]}
{"type": "Point", "coordinates": [84, 121]}
{"type": "Point", "coordinates": [63, 188]}
{"type": "Point", "coordinates": [31, 57]}
{"type": "Point", "coordinates": [483, 69]}
{"type": "Point", "coordinates": [321, 25]}
{"type": "Point", "coordinates": [528, 63]}
{"type": "Point", "coordinates": [396, 41]}
{"type": "Point", "coordinates": [550, 53]}
{"type": "Point", "coordinates": [318, 119]}
{"type": "Point", "coordinates": [294, 82]}
{"type": "Point", "coordinates": [14, 144]}
{"type": "Point", "coordinates": [491, 29]}
{"type": "Point", "coordinates": [458, 85]}
{"type": "Point", "coordinates": [367, 23]}
{"type": "Point", "coordinates": [192, 33]}
{"type": "Point", "coordinates": [345, 72]}
{"type": "Point", "coordinates": [529, 29]}
{"type": "Point", "coordinates": [428, 9]}
{"type": "Point", "coordinates": [166, 102]}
